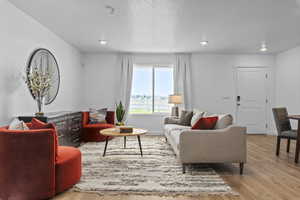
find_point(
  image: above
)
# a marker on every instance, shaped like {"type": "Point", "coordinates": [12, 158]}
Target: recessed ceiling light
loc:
{"type": "Point", "coordinates": [263, 47]}
{"type": "Point", "coordinates": [204, 43]}
{"type": "Point", "coordinates": [103, 42]}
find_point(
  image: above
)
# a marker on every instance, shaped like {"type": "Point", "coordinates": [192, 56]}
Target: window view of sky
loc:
{"type": "Point", "coordinates": [142, 81]}
{"type": "Point", "coordinates": [141, 101]}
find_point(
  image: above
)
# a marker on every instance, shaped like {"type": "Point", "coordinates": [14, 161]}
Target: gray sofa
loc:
{"type": "Point", "coordinates": [225, 144]}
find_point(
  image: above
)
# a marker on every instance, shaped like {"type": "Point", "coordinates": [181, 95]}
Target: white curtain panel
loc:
{"type": "Point", "coordinates": [182, 79]}
{"type": "Point", "coordinates": [126, 71]}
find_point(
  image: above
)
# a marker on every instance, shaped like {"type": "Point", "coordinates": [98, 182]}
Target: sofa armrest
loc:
{"type": "Point", "coordinates": [27, 164]}
{"type": "Point", "coordinates": [171, 120]}
{"type": "Point", "coordinates": [222, 145]}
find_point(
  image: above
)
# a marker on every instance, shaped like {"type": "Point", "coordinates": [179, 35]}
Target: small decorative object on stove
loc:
{"type": "Point", "coordinates": [126, 129]}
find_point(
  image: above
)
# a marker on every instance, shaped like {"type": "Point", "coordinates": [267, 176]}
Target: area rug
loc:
{"type": "Point", "coordinates": [158, 172]}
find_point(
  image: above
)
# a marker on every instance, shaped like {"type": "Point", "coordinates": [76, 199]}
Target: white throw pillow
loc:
{"type": "Point", "coordinates": [224, 120]}
{"type": "Point", "coordinates": [197, 114]}
{"type": "Point", "coordinates": [97, 116]}
{"type": "Point", "coordinates": [16, 124]}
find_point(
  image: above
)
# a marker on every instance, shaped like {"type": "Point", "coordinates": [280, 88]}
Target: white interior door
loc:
{"type": "Point", "coordinates": [252, 99]}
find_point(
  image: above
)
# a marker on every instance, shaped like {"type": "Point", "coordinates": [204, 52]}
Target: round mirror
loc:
{"type": "Point", "coordinates": [44, 61]}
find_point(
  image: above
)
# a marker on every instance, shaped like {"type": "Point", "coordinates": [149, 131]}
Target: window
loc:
{"type": "Point", "coordinates": [151, 86]}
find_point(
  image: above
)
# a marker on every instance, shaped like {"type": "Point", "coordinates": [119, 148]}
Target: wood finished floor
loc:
{"type": "Point", "coordinates": [266, 177]}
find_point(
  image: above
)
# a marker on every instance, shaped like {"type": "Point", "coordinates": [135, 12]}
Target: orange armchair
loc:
{"type": "Point", "coordinates": [33, 167]}
{"type": "Point", "coordinates": [91, 132]}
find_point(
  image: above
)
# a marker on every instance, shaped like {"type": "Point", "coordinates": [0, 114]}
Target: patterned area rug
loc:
{"type": "Point", "coordinates": [158, 172]}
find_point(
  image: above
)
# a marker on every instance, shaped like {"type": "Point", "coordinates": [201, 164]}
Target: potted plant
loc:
{"type": "Point", "coordinates": [39, 83]}
{"type": "Point", "coordinates": [120, 113]}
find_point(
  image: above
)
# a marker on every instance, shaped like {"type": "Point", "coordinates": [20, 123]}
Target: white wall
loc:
{"type": "Point", "coordinates": [19, 36]}
{"type": "Point", "coordinates": [100, 78]}
{"type": "Point", "coordinates": [214, 84]}
{"type": "Point", "coordinates": [288, 81]}
{"type": "Point", "coordinates": [212, 80]}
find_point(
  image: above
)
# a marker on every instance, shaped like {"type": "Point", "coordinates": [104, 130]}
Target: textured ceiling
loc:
{"type": "Point", "coordinates": [230, 26]}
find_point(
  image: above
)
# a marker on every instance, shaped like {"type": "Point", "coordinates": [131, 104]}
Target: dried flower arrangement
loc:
{"type": "Point", "coordinates": [39, 83]}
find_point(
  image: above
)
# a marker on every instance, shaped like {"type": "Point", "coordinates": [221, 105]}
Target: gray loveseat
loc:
{"type": "Point", "coordinates": [225, 144]}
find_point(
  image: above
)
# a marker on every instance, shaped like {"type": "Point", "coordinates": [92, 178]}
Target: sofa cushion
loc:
{"type": "Point", "coordinates": [185, 118]}
{"type": "Point", "coordinates": [67, 168]}
{"type": "Point", "coordinates": [206, 123]}
{"type": "Point", "coordinates": [170, 127]}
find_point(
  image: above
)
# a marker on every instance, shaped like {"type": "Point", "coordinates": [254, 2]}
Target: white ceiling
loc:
{"type": "Point", "coordinates": [230, 26]}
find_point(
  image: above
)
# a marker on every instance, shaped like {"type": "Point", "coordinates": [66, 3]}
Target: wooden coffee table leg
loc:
{"type": "Point", "coordinates": [124, 142]}
{"type": "Point", "coordinates": [104, 152]}
{"type": "Point", "coordinates": [139, 139]}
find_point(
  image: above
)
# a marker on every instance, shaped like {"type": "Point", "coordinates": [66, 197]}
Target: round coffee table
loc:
{"type": "Point", "coordinates": [115, 132]}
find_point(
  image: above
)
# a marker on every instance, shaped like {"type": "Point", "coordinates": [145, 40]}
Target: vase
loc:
{"type": "Point", "coordinates": [40, 102]}
{"type": "Point", "coordinates": [120, 124]}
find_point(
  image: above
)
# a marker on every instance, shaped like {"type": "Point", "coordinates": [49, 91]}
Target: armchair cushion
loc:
{"type": "Point", "coordinates": [99, 126]}
{"type": "Point", "coordinates": [67, 168]}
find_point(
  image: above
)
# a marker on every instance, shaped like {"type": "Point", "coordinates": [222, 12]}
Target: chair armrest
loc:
{"type": "Point", "coordinates": [27, 164]}
{"type": "Point", "coordinates": [221, 145]}
{"type": "Point", "coordinates": [171, 120]}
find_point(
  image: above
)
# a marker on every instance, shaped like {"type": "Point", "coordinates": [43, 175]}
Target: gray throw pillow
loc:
{"type": "Point", "coordinates": [185, 118]}
{"type": "Point", "coordinates": [98, 116]}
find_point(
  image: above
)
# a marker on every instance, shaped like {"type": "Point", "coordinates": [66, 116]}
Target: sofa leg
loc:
{"type": "Point", "coordinates": [183, 168]}
{"type": "Point", "coordinates": [241, 168]}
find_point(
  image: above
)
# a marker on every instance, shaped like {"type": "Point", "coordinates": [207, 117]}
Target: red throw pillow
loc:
{"type": "Point", "coordinates": [37, 124]}
{"type": "Point", "coordinates": [206, 123]}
